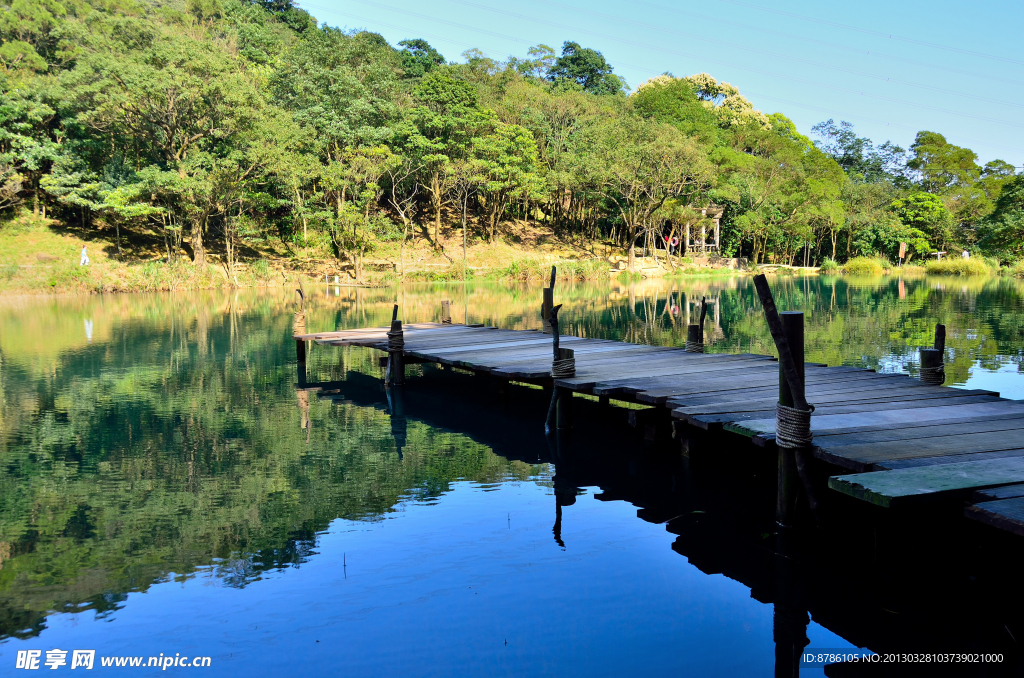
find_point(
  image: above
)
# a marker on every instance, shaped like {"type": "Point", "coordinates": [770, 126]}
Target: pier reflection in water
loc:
{"type": "Point", "coordinates": [166, 486]}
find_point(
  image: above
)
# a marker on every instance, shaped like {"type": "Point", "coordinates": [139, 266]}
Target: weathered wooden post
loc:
{"type": "Point", "coordinates": [693, 342]}
{"type": "Point", "coordinates": [399, 423]}
{"type": "Point", "coordinates": [793, 327]}
{"type": "Point", "coordinates": [792, 414]}
{"type": "Point", "coordinates": [695, 333]}
{"type": "Point", "coordinates": [396, 346]}
{"type": "Point", "coordinates": [547, 303]}
{"type": "Point", "coordinates": [446, 313]}
{"type": "Point", "coordinates": [563, 366]}
{"type": "Point", "coordinates": [299, 328]}
{"type": "Point", "coordinates": [933, 371]}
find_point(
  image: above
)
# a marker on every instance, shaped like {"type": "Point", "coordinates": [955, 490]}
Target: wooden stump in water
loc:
{"type": "Point", "coordinates": [545, 309]}
{"type": "Point", "coordinates": [694, 342]}
{"type": "Point", "coordinates": [932, 370]}
{"type": "Point", "coordinates": [396, 357]}
{"type": "Point", "coordinates": [298, 328]}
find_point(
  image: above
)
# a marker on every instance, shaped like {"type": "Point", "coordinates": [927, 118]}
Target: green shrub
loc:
{"type": "Point", "coordinates": [570, 269]}
{"type": "Point", "coordinates": [866, 266]}
{"type": "Point", "coordinates": [829, 265]}
{"type": "Point", "coordinates": [261, 269]}
{"type": "Point", "coordinates": [8, 271]}
{"type": "Point", "coordinates": [957, 266]}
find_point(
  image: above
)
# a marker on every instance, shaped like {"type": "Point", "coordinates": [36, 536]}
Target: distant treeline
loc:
{"type": "Point", "coordinates": [225, 123]}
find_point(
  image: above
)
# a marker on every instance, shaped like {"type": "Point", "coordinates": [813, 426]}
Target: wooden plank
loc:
{"type": "Point", "coordinates": [942, 481]}
{"type": "Point", "coordinates": [883, 419]}
{"type": "Point", "coordinates": [481, 351]}
{"type": "Point", "coordinates": [437, 340]}
{"type": "Point", "coordinates": [993, 493]}
{"type": "Point", "coordinates": [819, 391]}
{"type": "Point", "coordinates": [341, 334]}
{"type": "Point", "coordinates": [712, 421]}
{"type": "Point", "coordinates": [825, 403]}
{"type": "Point", "coordinates": [515, 354]}
{"type": "Point", "coordinates": [865, 455]}
{"type": "Point", "coordinates": [438, 353]}
{"type": "Point", "coordinates": [1005, 514]}
{"type": "Point", "coordinates": [540, 358]}
{"type": "Point", "coordinates": [767, 437]}
{"type": "Point", "coordinates": [672, 377]}
{"type": "Point", "coordinates": [665, 388]}
{"type": "Point", "coordinates": [671, 360]}
{"type": "Point", "coordinates": [944, 459]}
{"type": "Point", "coordinates": [928, 430]}
{"type": "Point", "coordinates": [672, 364]}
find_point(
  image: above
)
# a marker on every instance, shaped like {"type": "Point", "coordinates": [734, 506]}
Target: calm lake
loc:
{"type": "Point", "coordinates": [165, 487]}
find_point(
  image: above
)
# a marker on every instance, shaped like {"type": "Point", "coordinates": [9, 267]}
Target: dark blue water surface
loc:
{"type": "Point", "coordinates": [169, 486]}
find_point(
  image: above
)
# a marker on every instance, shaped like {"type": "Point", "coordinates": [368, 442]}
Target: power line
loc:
{"type": "Point", "coordinates": [698, 57]}
{"type": "Point", "coordinates": [754, 50]}
{"type": "Point", "coordinates": [828, 44]}
{"type": "Point", "coordinates": [644, 69]}
{"type": "Point", "coordinates": [868, 31]}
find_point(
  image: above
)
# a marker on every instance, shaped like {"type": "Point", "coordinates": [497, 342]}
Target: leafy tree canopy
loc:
{"type": "Point", "coordinates": [419, 58]}
{"type": "Point", "coordinates": [585, 68]}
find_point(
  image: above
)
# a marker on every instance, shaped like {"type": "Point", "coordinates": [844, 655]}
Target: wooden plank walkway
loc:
{"type": "Point", "coordinates": [904, 440]}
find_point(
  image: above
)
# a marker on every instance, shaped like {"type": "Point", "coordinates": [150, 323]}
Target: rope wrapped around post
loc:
{"type": "Point", "coordinates": [793, 427]}
{"type": "Point", "coordinates": [564, 366]}
{"type": "Point", "coordinates": [694, 346]}
{"type": "Point", "coordinates": [396, 338]}
{"type": "Point", "coordinates": [934, 375]}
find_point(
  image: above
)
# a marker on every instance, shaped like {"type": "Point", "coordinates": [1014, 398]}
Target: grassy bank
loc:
{"type": "Point", "coordinates": [39, 256]}
{"type": "Point", "coordinates": [958, 266]}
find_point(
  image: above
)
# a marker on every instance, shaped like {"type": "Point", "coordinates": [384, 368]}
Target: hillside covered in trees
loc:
{"type": "Point", "coordinates": [224, 124]}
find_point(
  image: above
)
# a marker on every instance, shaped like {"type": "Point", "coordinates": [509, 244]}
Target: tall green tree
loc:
{"type": "Point", "coordinates": [585, 68]}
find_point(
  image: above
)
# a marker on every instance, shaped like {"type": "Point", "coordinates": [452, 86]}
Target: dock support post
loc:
{"type": "Point", "coordinates": [547, 304]}
{"type": "Point", "coordinates": [693, 342]}
{"type": "Point", "coordinates": [300, 351]}
{"type": "Point", "coordinates": [399, 423]}
{"type": "Point", "coordinates": [793, 413]}
{"type": "Point", "coordinates": [785, 502]}
{"type": "Point", "coordinates": [563, 414]}
{"type": "Point", "coordinates": [396, 346]}
{"type": "Point", "coordinates": [446, 313]}
{"type": "Point", "coordinates": [932, 369]}
{"type": "Point", "coordinates": [695, 333]}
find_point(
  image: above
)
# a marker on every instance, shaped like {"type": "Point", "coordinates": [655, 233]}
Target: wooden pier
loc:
{"type": "Point", "coordinates": [901, 440]}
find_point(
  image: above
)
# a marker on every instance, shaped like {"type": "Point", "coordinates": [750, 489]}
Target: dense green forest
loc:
{"type": "Point", "coordinates": [223, 124]}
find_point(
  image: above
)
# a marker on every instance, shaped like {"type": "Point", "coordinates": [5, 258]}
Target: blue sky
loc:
{"type": "Point", "coordinates": [890, 68]}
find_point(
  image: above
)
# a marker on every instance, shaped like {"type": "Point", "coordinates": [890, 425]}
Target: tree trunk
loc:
{"type": "Point", "coordinates": [632, 256]}
{"type": "Point", "coordinates": [464, 262]}
{"type": "Point", "coordinates": [435, 198]}
{"type": "Point", "coordinates": [198, 253]}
